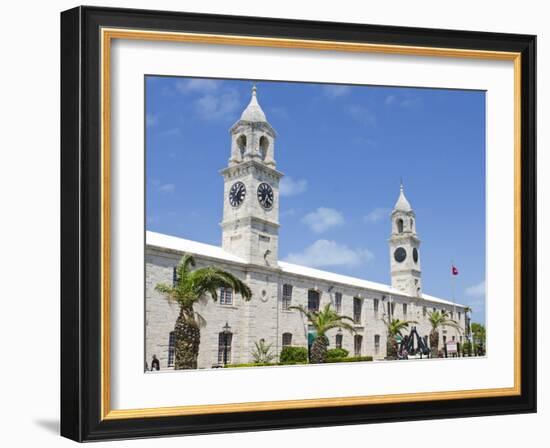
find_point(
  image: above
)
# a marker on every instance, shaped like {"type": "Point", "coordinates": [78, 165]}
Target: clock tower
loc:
{"type": "Point", "coordinates": [404, 249]}
{"type": "Point", "coordinates": [250, 225]}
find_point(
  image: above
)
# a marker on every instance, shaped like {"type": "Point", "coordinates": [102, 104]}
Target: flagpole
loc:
{"type": "Point", "coordinates": [453, 285]}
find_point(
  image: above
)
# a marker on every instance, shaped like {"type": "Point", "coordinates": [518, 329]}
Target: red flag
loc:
{"type": "Point", "coordinates": [454, 270]}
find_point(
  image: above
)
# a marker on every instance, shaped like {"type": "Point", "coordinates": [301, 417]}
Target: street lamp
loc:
{"type": "Point", "coordinates": [339, 334]}
{"type": "Point", "coordinates": [226, 333]}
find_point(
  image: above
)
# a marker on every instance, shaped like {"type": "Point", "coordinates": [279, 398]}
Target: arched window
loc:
{"type": "Point", "coordinates": [224, 347]}
{"type": "Point", "coordinates": [399, 226]}
{"type": "Point", "coordinates": [241, 143]}
{"type": "Point", "coordinates": [171, 349]}
{"type": "Point", "coordinates": [412, 224]}
{"type": "Point", "coordinates": [264, 145]}
{"type": "Point", "coordinates": [287, 339]}
{"type": "Point", "coordinates": [339, 339]}
{"type": "Point", "coordinates": [313, 300]}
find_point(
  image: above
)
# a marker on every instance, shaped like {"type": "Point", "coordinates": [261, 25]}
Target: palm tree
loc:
{"type": "Point", "coordinates": [478, 336]}
{"type": "Point", "coordinates": [322, 321]}
{"type": "Point", "coordinates": [262, 353]}
{"type": "Point", "coordinates": [189, 288]}
{"type": "Point", "coordinates": [437, 320]}
{"type": "Point", "coordinates": [468, 329]}
{"type": "Point", "coordinates": [395, 328]}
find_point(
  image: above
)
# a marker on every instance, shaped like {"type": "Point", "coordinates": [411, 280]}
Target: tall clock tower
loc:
{"type": "Point", "coordinates": [250, 224]}
{"type": "Point", "coordinates": [404, 249]}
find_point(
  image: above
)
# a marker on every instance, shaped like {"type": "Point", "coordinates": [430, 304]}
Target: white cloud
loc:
{"type": "Point", "coordinates": [218, 106]}
{"type": "Point", "coordinates": [330, 253]}
{"type": "Point", "coordinates": [280, 112]}
{"type": "Point", "coordinates": [335, 91]}
{"type": "Point", "coordinates": [377, 214]}
{"type": "Point", "coordinates": [151, 119]}
{"type": "Point", "coordinates": [362, 115]}
{"type": "Point", "coordinates": [171, 132]}
{"type": "Point", "coordinates": [291, 187]}
{"type": "Point", "coordinates": [186, 86]}
{"type": "Point", "coordinates": [162, 188]}
{"type": "Point", "coordinates": [476, 290]}
{"type": "Point", "coordinates": [166, 188]}
{"type": "Point", "coordinates": [390, 99]}
{"type": "Point", "coordinates": [363, 141]}
{"type": "Point", "coordinates": [404, 100]}
{"type": "Point", "coordinates": [323, 219]}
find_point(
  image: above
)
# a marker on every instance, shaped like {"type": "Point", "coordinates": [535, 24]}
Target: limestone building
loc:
{"type": "Point", "coordinates": [250, 237]}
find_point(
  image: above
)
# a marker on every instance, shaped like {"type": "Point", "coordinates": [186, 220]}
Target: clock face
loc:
{"type": "Point", "coordinates": [265, 195]}
{"type": "Point", "coordinates": [415, 255]}
{"type": "Point", "coordinates": [237, 194]}
{"type": "Point", "coordinates": [400, 254]}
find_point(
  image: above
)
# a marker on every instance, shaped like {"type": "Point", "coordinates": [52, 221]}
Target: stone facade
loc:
{"type": "Point", "coordinates": [250, 232]}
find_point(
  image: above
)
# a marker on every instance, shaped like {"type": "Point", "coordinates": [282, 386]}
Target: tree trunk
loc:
{"type": "Point", "coordinates": [391, 348]}
{"type": "Point", "coordinates": [187, 337]}
{"type": "Point", "coordinates": [434, 343]}
{"type": "Point", "coordinates": [318, 353]}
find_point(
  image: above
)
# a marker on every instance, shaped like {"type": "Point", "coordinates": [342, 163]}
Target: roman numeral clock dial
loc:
{"type": "Point", "coordinates": [237, 194]}
{"type": "Point", "coordinates": [265, 195]}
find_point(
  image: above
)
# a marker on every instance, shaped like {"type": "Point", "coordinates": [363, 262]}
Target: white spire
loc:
{"type": "Point", "coordinates": [402, 204]}
{"type": "Point", "coordinates": [253, 111]}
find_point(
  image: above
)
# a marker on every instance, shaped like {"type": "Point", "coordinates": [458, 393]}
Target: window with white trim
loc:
{"type": "Point", "coordinates": [226, 296]}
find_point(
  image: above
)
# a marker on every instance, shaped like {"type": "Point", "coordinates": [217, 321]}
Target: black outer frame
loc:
{"type": "Point", "coordinates": [80, 223]}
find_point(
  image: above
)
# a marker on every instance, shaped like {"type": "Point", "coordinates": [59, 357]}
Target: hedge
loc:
{"type": "Point", "coordinates": [337, 353]}
{"type": "Point", "coordinates": [294, 355]}
{"type": "Point", "coordinates": [351, 359]}
{"type": "Point", "coordinates": [251, 364]}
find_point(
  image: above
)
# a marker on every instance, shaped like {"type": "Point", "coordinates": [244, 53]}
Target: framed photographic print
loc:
{"type": "Point", "coordinates": [272, 223]}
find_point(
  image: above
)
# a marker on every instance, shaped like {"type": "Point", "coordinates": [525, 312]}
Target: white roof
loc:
{"type": "Point", "coordinates": [207, 250]}
{"type": "Point", "coordinates": [253, 111]}
{"type": "Point", "coordinates": [402, 203]}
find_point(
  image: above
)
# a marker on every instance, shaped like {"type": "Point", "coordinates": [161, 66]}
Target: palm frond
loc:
{"type": "Point", "coordinates": [325, 319]}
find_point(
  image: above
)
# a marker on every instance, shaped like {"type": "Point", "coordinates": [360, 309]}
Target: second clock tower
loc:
{"type": "Point", "coordinates": [250, 224]}
{"type": "Point", "coordinates": [405, 249]}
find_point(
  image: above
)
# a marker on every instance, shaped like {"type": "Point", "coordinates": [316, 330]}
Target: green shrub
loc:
{"type": "Point", "coordinates": [335, 353]}
{"type": "Point", "coordinates": [351, 359]}
{"type": "Point", "coordinates": [250, 364]}
{"type": "Point", "coordinates": [294, 355]}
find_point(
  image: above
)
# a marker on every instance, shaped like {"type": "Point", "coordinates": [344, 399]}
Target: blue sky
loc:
{"type": "Point", "coordinates": [343, 150]}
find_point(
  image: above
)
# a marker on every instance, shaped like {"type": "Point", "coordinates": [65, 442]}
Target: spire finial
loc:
{"type": "Point", "coordinates": [253, 111]}
{"type": "Point", "coordinates": [401, 183]}
{"type": "Point", "coordinates": [402, 204]}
